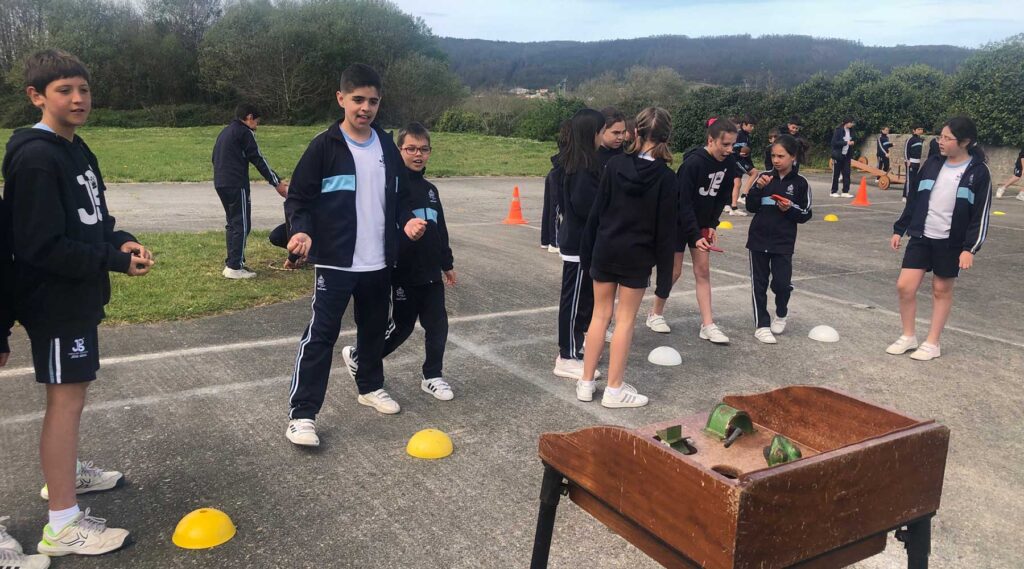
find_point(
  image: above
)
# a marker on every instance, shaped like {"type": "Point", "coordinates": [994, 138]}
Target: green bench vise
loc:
{"type": "Point", "coordinates": [728, 424]}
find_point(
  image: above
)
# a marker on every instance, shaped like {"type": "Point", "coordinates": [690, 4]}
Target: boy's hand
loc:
{"type": "Point", "coordinates": [895, 242]}
{"type": "Point", "coordinates": [139, 266]}
{"type": "Point", "coordinates": [449, 277]}
{"type": "Point", "coordinates": [136, 249]}
{"type": "Point", "coordinates": [415, 228]}
{"type": "Point", "coordinates": [966, 260]}
{"type": "Point", "coordinates": [299, 244]}
{"type": "Point", "coordinates": [849, 143]}
{"type": "Point", "coordinates": [282, 188]}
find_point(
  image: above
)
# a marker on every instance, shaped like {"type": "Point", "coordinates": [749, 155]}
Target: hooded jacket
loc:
{"type": "Point", "coordinates": [606, 154]}
{"type": "Point", "coordinates": [549, 213]}
{"type": "Point", "coordinates": [705, 188]}
{"type": "Point", "coordinates": [773, 230]}
{"type": "Point", "coordinates": [969, 226]}
{"type": "Point", "coordinates": [61, 235]}
{"type": "Point", "coordinates": [322, 198]}
{"type": "Point", "coordinates": [839, 144]}
{"type": "Point", "coordinates": [632, 225]}
{"type": "Point", "coordinates": [576, 198]}
{"type": "Point", "coordinates": [6, 276]}
{"type": "Point", "coordinates": [235, 148]}
{"type": "Point", "coordinates": [882, 145]}
{"type": "Point", "coordinates": [912, 151]}
{"type": "Point", "coordinates": [421, 262]}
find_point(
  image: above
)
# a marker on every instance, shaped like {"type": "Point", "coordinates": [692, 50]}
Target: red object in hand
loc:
{"type": "Point", "coordinates": [706, 234]}
{"type": "Point", "coordinates": [780, 199]}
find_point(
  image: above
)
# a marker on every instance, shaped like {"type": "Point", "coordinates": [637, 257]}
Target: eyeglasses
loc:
{"type": "Point", "coordinates": [949, 138]}
{"type": "Point", "coordinates": [414, 150]}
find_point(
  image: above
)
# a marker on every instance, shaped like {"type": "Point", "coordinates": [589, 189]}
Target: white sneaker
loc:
{"type": "Point", "coordinates": [381, 401]}
{"type": "Point", "coordinates": [585, 390]}
{"type": "Point", "coordinates": [438, 388]}
{"type": "Point", "coordinates": [846, 195]}
{"type": "Point", "coordinates": [90, 479]}
{"type": "Point", "coordinates": [1020, 195]}
{"type": "Point", "coordinates": [571, 368]}
{"type": "Point", "coordinates": [11, 559]}
{"type": "Point", "coordinates": [553, 249]}
{"type": "Point", "coordinates": [656, 322]}
{"type": "Point", "coordinates": [302, 432]}
{"type": "Point", "coordinates": [608, 334]}
{"type": "Point", "coordinates": [834, 195]}
{"type": "Point", "coordinates": [741, 199]}
{"type": "Point", "coordinates": [738, 211]}
{"type": "Point", "coordinates": [1000, 191]}
{"type": "Point", "coordinates": [230, 273]}
{"type": "Point", "coordinates": [626, 398]}
{"type": "Point", "coordinates": [764, 335]}
{"type": "Point", "coordinates": [778, 325]}
{"type": "Point", "coordinates": [348, 353]}
{"type": "Point", "coordinates": [84, 536]}
{"type": "Point", "coordinates": [712, 333]}
{"type": "Point", "coordinates": [926, 352]}
{"type": "Point", "coordinates": [904, 200]}
{"type": "Point", "coordinates": [902, 345]}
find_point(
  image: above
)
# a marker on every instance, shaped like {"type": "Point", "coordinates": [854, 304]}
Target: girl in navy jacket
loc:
{"type": "Point", "coordinates": [947, 222]}
{"type": "Point", "coordinates": [780, 200]}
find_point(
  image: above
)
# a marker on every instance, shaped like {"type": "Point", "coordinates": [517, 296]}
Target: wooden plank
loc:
{"type": "Point", "coordinates": [820, 418]}
{"type": "Point", "coordinates": [857, 551]}
{"type": "Point", "coordinates": [805, 508]}
{"type": "Point", "coordinates": [692, 510]}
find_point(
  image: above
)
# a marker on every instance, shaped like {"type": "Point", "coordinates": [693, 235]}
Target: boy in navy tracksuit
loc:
{"type": "Point", "coordinates": [882, 149]}
{"type": "Point", "coordinates": [64, 244]}
{"type": "Point", "coordinates": [424, 267]}
{"type": "Point", "coordinates": [842, 154]}
{"type": "Point", "coordinates": [912, 158]}
{"type": "Point", "coordinates": [346, 204]}
{"type": "Point", "coordinates": [235, 148]}
{"type": "Point", "coordinates": [772, 236]}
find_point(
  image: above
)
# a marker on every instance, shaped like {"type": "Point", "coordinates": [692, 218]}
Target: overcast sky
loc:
{"type": "Point", "coordinates": [968, 23]}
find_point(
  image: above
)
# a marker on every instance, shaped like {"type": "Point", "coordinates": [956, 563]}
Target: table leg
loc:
{"type": "Point", "coordinates": [550, 493]}
{"type": "Point", "coordinates": [917, 538]}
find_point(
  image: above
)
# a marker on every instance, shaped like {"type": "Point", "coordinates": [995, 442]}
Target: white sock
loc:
{"type": "Point", "coordinates": [613, 390]}
{"type": "Point", "coordinates": [61, 518]}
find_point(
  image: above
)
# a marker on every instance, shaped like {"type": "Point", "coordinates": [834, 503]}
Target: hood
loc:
{"type": "Point", "coordinates": [23, 136]}
{"type": "Point", "coordinates": [637, 175]}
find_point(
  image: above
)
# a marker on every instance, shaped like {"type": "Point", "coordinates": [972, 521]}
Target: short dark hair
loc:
{"type": "Point", "coordinates": [794, 120]}
{"type": "Point", "coordinates": [789, 144]}
{"type": "Point", "coordinates": [413, 129]}
{"type": "Point", "coordinates": [612, 116]}
{"type": "Point", "coordinates": [849, 118]}
{"type": "Point", "coordinates": [773, 131]}
{"type": "Point", "coordinates": [243, 110]}
{"type": "Point", "coordinates": [718, 127]}
{"type": "Point", "coordinates": [360, 75]}
{"type": "Point", "coordinates": [45, 67]}
{"type": "Point", "coordinates": [748, 120]}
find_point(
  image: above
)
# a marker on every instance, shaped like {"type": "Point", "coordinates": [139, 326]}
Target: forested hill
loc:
{"type": "Point", "coordinates": [779, 61]}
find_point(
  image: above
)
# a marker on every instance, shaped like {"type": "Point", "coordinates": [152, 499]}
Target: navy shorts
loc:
{"type": "Point", "coordinates": [745, 164]}
{"type": "Point", "coordinates": [933, 255]}
{"type": "Point", "coordinates": [628, 282]}
{"type": "Point", "coordinates": [67, 357]}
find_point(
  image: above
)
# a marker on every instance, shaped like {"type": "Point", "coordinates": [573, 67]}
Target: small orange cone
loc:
{"type": "Point", "coordinates": [515, 211]}
{"type": "Point", "coordinates": [862, 193]}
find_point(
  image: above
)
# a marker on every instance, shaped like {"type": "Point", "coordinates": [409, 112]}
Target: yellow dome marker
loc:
{"type": "Point", "coordinates": [202, 529]}
{"type": "Point", "coordinates": [832, 217]}
{"type": "Point", "coordinates": [725, 225]}
{"type": "Point", "coordinates": [429, 444]}
{"type": "Point", "coordinates": [998, 213]}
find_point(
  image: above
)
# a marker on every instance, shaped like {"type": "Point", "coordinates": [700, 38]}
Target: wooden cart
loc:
{"type": "Point", "coordinates": [885, 179]}
{"type": "Point", "coordinates": [865, 471]}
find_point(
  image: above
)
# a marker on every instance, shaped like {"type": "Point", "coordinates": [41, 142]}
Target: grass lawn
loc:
{"type": "Point", "coordinates": [186, 281]}
{"type": "Point", "coordinates": [183, 154]}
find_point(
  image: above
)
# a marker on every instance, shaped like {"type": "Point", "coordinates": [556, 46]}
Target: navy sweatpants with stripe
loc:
{"type": "Point", "coordinates": [238, 215]}
{"type": "Point", "coordinates": [778, 269]}
{"type": "Point", "coordinates": [426, 303]}
{"type": "Point", "coordinates": [333, 289]}
{"type": "Point", "coordinates": [574, 310]}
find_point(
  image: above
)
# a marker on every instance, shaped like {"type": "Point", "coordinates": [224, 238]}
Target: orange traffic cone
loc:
{"type": "Point", "coordinates": [515, 211]}
{"type": "Point", "coordinates": [862, 193]}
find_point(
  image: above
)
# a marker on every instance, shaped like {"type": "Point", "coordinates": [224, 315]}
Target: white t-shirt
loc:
{"type": "Point", "coordinates": [371, 179]}
{"type": "Point", "coordinates": [943, 200]}
{"type": "Point", "coordinates": [847, 138]}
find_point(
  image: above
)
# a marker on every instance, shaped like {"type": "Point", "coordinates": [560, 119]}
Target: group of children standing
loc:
{"type": "Point", "coordinates": [360, 210]}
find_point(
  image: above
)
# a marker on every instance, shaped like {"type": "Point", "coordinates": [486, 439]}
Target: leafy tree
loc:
{"type": "Point", "coordinates": [989, 87]}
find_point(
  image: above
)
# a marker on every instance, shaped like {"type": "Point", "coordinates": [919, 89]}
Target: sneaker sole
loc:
{"type": "Point", "coordinates": [719, 342]}
{"type": "Point", "coordinates": [896, 353]}
{"type": "Point", "coordinates": [44, 493]}
{"type": "Point", "coordinates": [300, 443]}
{"type": "Point", "coordinates": [928, 359]}
{"type": "Point", "coordinates": [379, 410]}
{"type": "Point", "coordinates": [659, 331]}
{"type": "Point", "coordinates": [438, 395]}
{"type": "Point", "coordinates": [617, 405]}
{"type": "Point", "coordinates": [54, 552]}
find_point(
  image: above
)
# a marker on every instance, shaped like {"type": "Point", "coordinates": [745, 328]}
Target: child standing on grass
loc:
{"type": "Point", "coordinates": [630, 230]}
{"type": "Point", "coordinates": [64, 245]}
{"type": "Point", "coordinates": [582, 172]}
{"type": "Point", "coordinates": [780, 200]}
{"type": "Point", "coordinates": [947, 222]}
{"type": "Point", "coordinates": [347, 201]}
{"type": "Point", "coordinates": [423, 269]}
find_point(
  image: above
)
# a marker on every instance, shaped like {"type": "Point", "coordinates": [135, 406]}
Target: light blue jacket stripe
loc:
{"type": "Point", "coordinates": [345, 182]}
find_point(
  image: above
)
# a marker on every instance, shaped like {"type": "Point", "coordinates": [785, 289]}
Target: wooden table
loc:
{"type": "Point", "coordinates": [865, 471]}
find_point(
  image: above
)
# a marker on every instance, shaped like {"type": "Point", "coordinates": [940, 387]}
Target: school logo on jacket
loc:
{"type": "Point", "coordinates": [790, 191]}
{"type": "Point", "coordinates": [381, 161]}
{"type": "Point", "coordinates": [321, 284]}
{"type": "Point", "coordinates": [400, 293]}
{"type": "Point", "coordinates": [432, 195]}
{"type": "Point", "coordinates": [91, 185]}
{"type": "Point", "coordinates": [78, 350]}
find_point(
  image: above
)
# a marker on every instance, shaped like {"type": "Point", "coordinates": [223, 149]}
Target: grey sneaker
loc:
{"type": "Point", "coordinates": [84, 536]}
{"type": "Point", "coordinates": [90, 479]}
